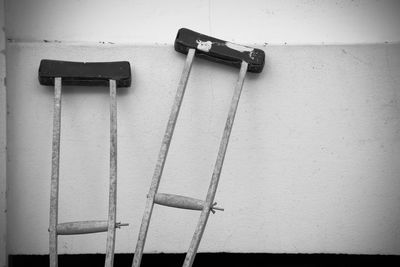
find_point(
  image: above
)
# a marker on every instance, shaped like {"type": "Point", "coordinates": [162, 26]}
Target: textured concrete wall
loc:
{"type": "Point", "coordinates": [311, 167]}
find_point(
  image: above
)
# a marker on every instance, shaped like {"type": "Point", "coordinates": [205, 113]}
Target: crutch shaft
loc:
{"type": "Point", "coordinates": [55, 170]}
{"type": "Point", "coordinates": [217, 169]}
{"type": "Point", "coordinates": [112, 205]}
{"type": "Point", "coordinates": [161, 158]}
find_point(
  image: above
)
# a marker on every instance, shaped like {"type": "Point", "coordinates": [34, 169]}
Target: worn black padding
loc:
{"type": "Point", "coordinates": [85, 73]}
{"type": "Point", "coordinates": [219, 51]}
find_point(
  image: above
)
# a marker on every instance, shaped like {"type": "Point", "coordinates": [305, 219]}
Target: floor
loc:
{"type": "Point", "coordinates": [215, 259]}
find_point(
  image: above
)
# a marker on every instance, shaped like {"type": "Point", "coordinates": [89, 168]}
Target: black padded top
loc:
{"type": "Point", "coordinates": [85, 73]}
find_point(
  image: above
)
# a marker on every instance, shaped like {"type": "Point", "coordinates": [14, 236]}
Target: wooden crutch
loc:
{"type": "Point", "coordinates": [248, 60]}
{"type": "Point", "coordinates": [58, 73]}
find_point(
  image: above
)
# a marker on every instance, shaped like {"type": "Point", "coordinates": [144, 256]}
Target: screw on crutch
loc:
{"type": "Point", "coordinates": [248, 60]}
{"type": "Point", "coordinates": [58, 73]}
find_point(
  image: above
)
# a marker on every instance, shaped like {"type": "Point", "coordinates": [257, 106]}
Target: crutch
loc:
{"type": "Point", "coordinates": [247, 59]}
{"type": "Point", "coordinates": [58, 73]}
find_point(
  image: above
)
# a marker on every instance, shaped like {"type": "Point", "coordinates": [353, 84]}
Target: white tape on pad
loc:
{"type": "Point", "coordinates": [204, 46]}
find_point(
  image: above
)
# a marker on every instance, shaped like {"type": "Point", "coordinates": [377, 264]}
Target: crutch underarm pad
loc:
{"type": "Point", "coordinates": [219, 51]}
{"type": "Point", "coordinates": [85, 73]}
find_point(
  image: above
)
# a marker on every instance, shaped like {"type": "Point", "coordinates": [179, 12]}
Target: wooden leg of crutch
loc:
{"type": "Point", "coordinates": [55, 169]}
{"type": "Point", "coordinates": [112, 205]}
{"type": "Point", "coordinates": [162, 156]}
{"type": "Point", "coordinates": [217, 170]}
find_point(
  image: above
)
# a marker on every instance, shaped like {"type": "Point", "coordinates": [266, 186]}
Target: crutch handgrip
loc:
{"type": "Point", "coordinates": [85, 227]}
{"type": "Point", "coordinates": [182, 202]}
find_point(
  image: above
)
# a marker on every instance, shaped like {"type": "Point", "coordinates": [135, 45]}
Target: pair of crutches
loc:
{"type": "Point", "coordinates": [118, 74]}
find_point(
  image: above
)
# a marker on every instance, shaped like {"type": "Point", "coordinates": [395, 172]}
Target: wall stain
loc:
{"type": "Point", "coordinates": [355, 57]}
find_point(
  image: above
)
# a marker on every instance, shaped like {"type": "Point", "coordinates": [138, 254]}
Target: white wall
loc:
{"type": "Point", "coordinates": [255, 21]}
{"type": "Point", "coordinates": [312, 162]}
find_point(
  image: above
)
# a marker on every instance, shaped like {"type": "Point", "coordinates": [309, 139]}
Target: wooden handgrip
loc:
{"type": "Point", "coordinates": [181, 202]}
{"type": "Point", "coordinates": [84, 227]}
